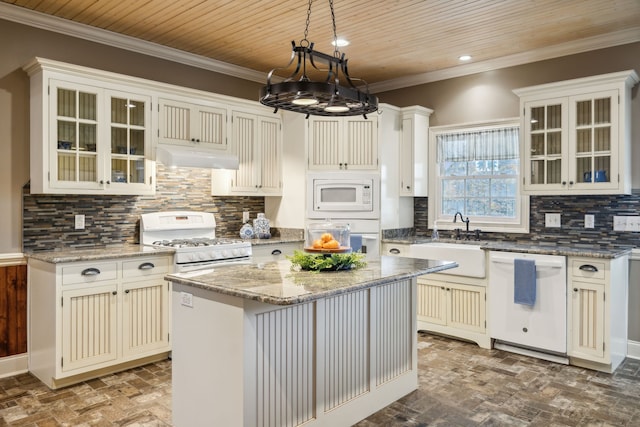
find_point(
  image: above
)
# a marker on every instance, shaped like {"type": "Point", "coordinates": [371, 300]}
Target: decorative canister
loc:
{"type": "Point", "coordinates": [246, 231]}
{"type": "Point", "coordinates": [261, 227]}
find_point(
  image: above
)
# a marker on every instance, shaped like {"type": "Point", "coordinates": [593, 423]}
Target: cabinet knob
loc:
{"type": "Point", "coordinates": [340, 164]}
{"type": "Point", "coordinates": [114, 293]}
{"type": "Point", "coordinates": [564, 182]}
{"type": "Point", "coordinates": [448, 289]}
{"type": "Point", "coordinates": [408, 187]}
{"type": "Point", "coordinates": [575, 289]}
{"type": "Point", "coordinates": [570, 182]}
{"type": "Point", "coordinates": [127, 291]}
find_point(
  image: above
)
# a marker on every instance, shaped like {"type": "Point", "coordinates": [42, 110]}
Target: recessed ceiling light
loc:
{"type": "Point", "coordinates": [464, 57]}
{"type": "Point", "coordinates": [341, 42]}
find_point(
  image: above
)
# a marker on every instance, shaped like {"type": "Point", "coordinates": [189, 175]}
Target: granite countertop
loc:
{"type": "Point", "coordinates": [94, 254]}
{"type": "Point", "coordinates": [275, 282]}
{"type": "Point", "coordinates": [542, 248]}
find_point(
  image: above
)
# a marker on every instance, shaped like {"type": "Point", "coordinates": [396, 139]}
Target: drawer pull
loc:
{"type": "Point", "coordinates": [588, 267]}
{"type": "Point", "coordinates": [90, 271]}
{"type": "Point", "coordinates": [146, 266]}
{"type": "Point", "coordinates": [394, 251]}
{"type": "Point", "coordinates": [276, 252]}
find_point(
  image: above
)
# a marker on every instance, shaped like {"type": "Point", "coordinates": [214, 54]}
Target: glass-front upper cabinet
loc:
{"type": "Point", "coordinates": [98, 141]}
{"type": "Point", "coordinates": [75, 135]}
{"type": "Point", "coordinates": [129, 135]}
{"type": "Point", "coordinates": [547, 142]}
{"type": "Point", "coordinates": [594, 133]}
{"type": "Point", "coordinates": [577, 135]}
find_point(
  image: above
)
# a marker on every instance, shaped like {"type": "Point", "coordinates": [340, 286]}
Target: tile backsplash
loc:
{"type": "Point", "coordinates": [573, 209]}
{"type": "Point", "coordinates": [48, 220]}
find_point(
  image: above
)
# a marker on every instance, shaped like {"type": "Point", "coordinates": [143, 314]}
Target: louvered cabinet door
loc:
{"type": "Point", "coordinates": [325, 143]}
{"type": "Point", "coordinates": [360, 142]}
{"type": "Point", "coordinates": [270, 146]}
{"type": "Point", "coordinates": [244, 137]}
{"type": "Point", "coordinates": [145, 317]}
{"type": "Point", "coordinates": [432, 302]}
{"type": "Point", "coordinates": [89, 328]}
{"type": "Point", "coordinates": [466, 307]}
{"type": "Point", "coordinates": [587, 321]}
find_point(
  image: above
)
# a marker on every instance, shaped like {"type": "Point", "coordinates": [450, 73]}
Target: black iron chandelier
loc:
{"type": "Point", "coordinates": [325, 96]}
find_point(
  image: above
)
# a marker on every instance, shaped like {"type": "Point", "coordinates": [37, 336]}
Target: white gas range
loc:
{"type": "Point", "coordinates": [193, 235]}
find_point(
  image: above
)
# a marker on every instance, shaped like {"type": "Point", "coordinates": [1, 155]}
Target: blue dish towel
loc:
{"type": "Point", "coordinates": [524, 281]}
{"type": "Point", "coordinates": [356, 243]}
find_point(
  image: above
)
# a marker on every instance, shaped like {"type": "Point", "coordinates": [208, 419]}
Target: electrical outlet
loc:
{"type": "Point", "coordinates": [186, 299]}
{"type": "Point", "coordinates": [589, 221]}
{"type": "Point", "coordinates": [552, 220]}
{"type": "Point", "coordinates": [619, 223]}
{"type": "Point", "coordinates": [245, 216]}
{"type": "Point", "coordinates": [79, 225]}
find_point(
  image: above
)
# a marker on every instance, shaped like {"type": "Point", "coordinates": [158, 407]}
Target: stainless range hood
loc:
{"type": "Point", "coordinates": [192, 157]}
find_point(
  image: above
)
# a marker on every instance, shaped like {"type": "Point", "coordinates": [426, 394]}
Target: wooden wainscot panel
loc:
{"type": "Point", "coordinates": [13, 310]}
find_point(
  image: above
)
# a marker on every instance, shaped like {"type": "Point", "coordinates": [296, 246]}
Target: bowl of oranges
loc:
{"type": "Point", "coordinates": [328, 238]}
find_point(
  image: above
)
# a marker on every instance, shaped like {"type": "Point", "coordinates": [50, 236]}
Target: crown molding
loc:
{"type": "Point", "coordinates": [631, 35]}
{"type": "Point", "coordinates": [64, 26]}
{"type": "Point", "coordinates": [52, 23]}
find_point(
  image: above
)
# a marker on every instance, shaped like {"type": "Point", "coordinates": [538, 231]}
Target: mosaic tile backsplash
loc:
{"type": "Point", "coordinates": [111, 220]}
{"type": "Point", "coordinates": [48, 220]}
{"type": "Point", "coordinates": [572, 231]}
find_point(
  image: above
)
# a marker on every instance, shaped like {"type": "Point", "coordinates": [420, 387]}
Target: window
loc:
{"type": "Point", "coordinates": [476, 171]}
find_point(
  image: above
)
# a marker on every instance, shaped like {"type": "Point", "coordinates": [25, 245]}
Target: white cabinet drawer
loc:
{"type": "Point", "coordinates": [588, 269]}
{"type": "Point", "coordinates": [146, 267]}
{"type": "Point", "coordinates": [89, 273]}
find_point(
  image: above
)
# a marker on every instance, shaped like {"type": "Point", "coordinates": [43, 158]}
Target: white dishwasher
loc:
{"type": "Point", "coordinates": [540, 329]}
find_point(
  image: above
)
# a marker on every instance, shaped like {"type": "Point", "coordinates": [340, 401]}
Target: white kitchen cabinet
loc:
{"type": "Point", "coordinates": [257, 141]}
{"type": "Point", "coordinates": [449, 305]}
{"type": "Point", "coordinates": [88, 136]}
{"type": "Point", "coordinates": [192, 125]}
{"type": "Point", "coordinates": [452, 308]}
{"type": "Point", "coordinates": [597, 312]}
{"type": "Point", "coordinates": [577, 135]}
{"type": "Point", "coordinates": [343, 143]}
{"type": "Point", "coordinates": [93, 317]}
{"type": "Point", "coordinates": [413, 167]}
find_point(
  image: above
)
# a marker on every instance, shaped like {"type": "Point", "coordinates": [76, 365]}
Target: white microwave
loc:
{"type": "Point", "coordinates": [343, 195]}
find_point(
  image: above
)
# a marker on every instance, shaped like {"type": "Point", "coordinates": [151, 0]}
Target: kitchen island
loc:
{"type": "Point", "coordinates": [259, 344]}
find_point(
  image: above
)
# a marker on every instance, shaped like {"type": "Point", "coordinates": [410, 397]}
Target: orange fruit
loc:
{"type": "Point", "coordinates": [331, 244]}
{"type": "Point", "coordinates": [326, 237]}
{"type": "Point", "coordinates": [317, 244]}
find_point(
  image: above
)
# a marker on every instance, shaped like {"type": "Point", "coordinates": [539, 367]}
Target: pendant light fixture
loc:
{"type": "Point", "coordinates": [324, 96]}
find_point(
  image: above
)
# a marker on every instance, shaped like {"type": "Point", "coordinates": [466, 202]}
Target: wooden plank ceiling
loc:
{"type": "Point", "coordinates": [389, 38]}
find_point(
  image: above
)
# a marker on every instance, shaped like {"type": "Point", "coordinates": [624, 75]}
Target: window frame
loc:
{"type": "Point", "coordinates": [445, 222]}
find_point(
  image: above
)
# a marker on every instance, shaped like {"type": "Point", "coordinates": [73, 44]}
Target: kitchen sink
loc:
{"type": "Point", "coordinates": [470, 257]}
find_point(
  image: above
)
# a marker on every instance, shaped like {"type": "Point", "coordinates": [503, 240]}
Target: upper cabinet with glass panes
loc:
{"type": "Point", "coordinates": [88, 136]}
{"type": "Point", "coordinates": [576, 135]}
